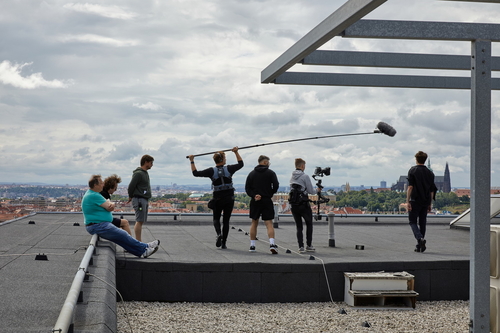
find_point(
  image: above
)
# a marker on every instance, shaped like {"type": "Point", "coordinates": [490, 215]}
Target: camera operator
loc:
{"type": "Point", "coordinates": [301, 209]}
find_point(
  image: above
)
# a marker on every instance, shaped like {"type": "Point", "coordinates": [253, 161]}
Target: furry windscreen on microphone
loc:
{"type": "Point", "coordinates": [386, 129]}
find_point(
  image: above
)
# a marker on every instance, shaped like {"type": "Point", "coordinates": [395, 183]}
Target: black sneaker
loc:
{"type": "Point", "coordinates": [223, 246]}
{"type": "Point", "coordinates": [219, 241]}
{"type": "Point", "coordinates": [422, 245]}
{"type": "Point", "coordinates": [252, 249]}
{"type": "Point", "coordinates": [273, 248]}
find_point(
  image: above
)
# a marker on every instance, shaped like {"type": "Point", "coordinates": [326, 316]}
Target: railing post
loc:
{"type": "Point", "coordinates": [331, 230]}
{"type": "Point", "coordinates": [276, 215]}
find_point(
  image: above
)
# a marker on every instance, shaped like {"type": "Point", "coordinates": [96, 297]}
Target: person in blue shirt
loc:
{"type": "Point", "coordinates": [99, 220]}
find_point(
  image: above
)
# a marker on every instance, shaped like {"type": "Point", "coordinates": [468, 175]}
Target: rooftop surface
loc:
{"type": "Point", "coordinates": [32, 292]}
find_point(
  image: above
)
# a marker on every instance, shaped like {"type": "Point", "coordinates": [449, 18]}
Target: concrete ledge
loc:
{"type": "Point", "coordinates": [97, 312]}
{"type": "Point", "coordinates": [140, 280]}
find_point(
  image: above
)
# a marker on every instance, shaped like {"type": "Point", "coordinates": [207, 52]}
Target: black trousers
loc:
{"type": "Point", "coordinates": [300, 212]}
{"type": "Point", "coordinates": [223, 206]}
{"type": "Point", "coordinates": [418, 219]}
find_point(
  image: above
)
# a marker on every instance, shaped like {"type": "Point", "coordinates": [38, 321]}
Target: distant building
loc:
{"type": "Point", "coordinates": [383, 184]}
{"type": "Point", "coordinates": [447, 180]}
{"type": "Point", "coordinates": [195, 196]}
{"type": "Point", "coordinates": [443, 183]}
{"type": "Point", "coordinates": [462, 192]}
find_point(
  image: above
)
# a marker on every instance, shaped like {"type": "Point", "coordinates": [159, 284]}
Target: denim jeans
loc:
{"type": "Point", "coordinates": [119, 236]}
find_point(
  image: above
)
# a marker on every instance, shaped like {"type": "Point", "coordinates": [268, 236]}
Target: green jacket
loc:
{"type": "Point", "coordinates": [139, 184]}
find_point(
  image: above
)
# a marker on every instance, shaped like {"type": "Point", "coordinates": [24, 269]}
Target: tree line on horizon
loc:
{"type": "Point", "coordinates": [370, 201]}
{"type": "Point", "coordinates": [366, 200]}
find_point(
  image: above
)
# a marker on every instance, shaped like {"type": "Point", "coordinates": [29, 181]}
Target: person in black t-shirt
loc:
{"type": "Point", "coordinates": [110, 186]}
{"type": "Point", "coordinates": [223, 195]}
{"type": "Point", "coordinates": [421, 192]}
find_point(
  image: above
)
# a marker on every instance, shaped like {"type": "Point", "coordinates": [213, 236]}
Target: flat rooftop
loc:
{"type": "Point", "coordinates": [32, 291]}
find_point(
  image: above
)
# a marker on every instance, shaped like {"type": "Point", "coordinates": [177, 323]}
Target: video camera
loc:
{"type": "Point", "coordinates": [320, 172]}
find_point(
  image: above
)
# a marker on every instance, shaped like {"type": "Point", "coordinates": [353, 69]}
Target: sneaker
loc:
{"type": "Point", "coordinates": [273, 248]}
{"type": "Point", "coordinates": [152, 248]}
{"type": "Point", "coordinates": [154, 243]}
{"type": "Point", "coordinates": [219, 241]}
{"type": "Point", "coordinates": [310, 248]}
{"type": "Point", "coordinates": [301, 249]}
{"type": "Point", "coordinates": [417, 249]}
{"type": "Point", "coordinates": [223, 245]}
{"type": "Point", "coordinates": [252, 249]}
{"type": "Point", "coordinates": [422, 245]}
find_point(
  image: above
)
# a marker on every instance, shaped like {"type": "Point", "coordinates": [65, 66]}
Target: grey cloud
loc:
{"type": "Point", "coordinates": [82, 153]}
{"type": "Point", "coordinates": [287, 33]}
{"type": "Point", "coordinates": [125, 151]}
{"type": "Point", "coordinates": [275, 118]}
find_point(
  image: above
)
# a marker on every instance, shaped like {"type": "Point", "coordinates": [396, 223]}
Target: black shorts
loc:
{"type": "Point", "coordinates": [263, 207]}
{"type": "Point", "coordinates": [116, 222]}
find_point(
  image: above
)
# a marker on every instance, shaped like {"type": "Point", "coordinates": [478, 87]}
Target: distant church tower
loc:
{"type": "Point", "coordinates": [447, 180]}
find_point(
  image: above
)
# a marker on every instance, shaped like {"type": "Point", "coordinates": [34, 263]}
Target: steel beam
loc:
{"type": "Point", "coordinates": [333, 25]}
{"type": "Point", "coordinates": [480, 157]}
{"type": "Point", "coordinates": [379, 80]}
{"type": "Point", "coordinates": [393, 60]}
{"type": "Point", "coordinates": [423, 30]}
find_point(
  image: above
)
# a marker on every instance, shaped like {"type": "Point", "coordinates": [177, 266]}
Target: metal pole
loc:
{"type": "Point", "coordinates": [276, 215]}
{"type": "Point", "coordinates": [480, 187]}
{"type": "Point", "coordinates": [66, 314]}
{"type": "Point", "coordinates": [288, 141]}
{"type": "Point", "coordinates": [331, 230]}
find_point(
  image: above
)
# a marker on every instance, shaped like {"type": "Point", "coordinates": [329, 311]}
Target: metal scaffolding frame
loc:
{"type": "Point", "coordinates": [346, 22]}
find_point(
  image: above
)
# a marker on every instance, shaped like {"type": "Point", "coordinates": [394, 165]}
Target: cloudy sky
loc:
{"type": "Point", "coordinates": [89, 87]}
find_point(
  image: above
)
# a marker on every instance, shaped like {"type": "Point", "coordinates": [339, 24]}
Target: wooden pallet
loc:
{"type": "Point", "coordinates": [384, 298]}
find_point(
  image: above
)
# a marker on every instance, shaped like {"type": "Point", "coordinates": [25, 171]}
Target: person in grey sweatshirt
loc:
{"type": "Point", "coordinates": [301, 209]}
{"type": "Point", "coordinates": [139, 192]}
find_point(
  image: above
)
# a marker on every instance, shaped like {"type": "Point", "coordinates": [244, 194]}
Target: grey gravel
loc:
{"type": "Point", "coordinates": [431, 317]}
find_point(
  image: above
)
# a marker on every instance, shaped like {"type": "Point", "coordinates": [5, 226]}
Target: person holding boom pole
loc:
{"type": "Point", "coordinates": [223, 195]}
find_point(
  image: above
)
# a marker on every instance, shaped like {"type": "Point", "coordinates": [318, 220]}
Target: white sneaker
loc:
{"type": "Point", "coordinates": [152, 248]}
{"type": "Point", "coordinates": [301, 250]}
{"type": "Point", "coordinates": [310, 248]}
{"type": "Point", "coordinates": [154, 243]}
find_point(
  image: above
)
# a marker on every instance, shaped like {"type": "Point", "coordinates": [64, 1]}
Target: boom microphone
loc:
{"type": "Point", "coordinates": [386, 129]}
{"type": "Point", "coordinates": [381, 128]}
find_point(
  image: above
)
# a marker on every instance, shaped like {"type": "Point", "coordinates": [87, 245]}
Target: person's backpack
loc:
{"type": "Point", "coordinates": [297, 196]}
{"type": "Point", "coordinates": [221, 173]}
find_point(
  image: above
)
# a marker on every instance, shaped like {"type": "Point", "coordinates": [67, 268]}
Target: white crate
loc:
{"type": "Point", "coordinates": [380, 289]}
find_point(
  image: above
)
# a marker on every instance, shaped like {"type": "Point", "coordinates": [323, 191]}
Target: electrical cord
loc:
{"type": "Point", "coordinates": [109, 284]}
{"type": "Point", "coordinates": [303, 255]}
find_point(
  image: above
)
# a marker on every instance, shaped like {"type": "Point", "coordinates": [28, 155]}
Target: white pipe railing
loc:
{"type": "Point", "coordinates": [66, 315]}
